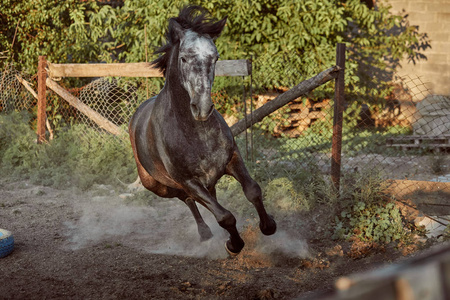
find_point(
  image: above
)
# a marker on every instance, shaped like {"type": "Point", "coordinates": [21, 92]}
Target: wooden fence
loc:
{"type": "Point", "coordinates": [49, 73]}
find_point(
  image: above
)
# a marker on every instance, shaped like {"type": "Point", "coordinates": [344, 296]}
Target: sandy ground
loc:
{"type": "Point", "coordinates": [96, 245]}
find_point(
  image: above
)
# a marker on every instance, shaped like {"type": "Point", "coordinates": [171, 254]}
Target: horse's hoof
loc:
{"type": "Point", "coordinates": [231, 253]}
{"type": "Point", "coordinates": [268, 228]}
{"type": "Point", "coordinates": [234, 250]}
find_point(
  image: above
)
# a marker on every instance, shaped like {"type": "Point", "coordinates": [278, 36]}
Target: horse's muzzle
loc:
{"type": "Point", "coordinates": [201, 114]}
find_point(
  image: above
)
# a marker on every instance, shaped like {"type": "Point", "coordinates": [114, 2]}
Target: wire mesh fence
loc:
{"type": "Point", "coordinates": [115, 99]}
{"type": "Point", "coordinates": [405, 138]}
{"type": "Point", "coordinates": [13, 94]}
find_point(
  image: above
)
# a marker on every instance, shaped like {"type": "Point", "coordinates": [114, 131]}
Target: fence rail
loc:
{"type": "Point", "coordinates": [223, 68]}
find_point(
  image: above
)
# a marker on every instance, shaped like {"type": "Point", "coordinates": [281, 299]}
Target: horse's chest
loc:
{"type": "Point", "coordinates": [212, 153]}
{"type": "Point", "coordinates": [202, 156]}
{"type": "Point", "coordinates": [214, 156]}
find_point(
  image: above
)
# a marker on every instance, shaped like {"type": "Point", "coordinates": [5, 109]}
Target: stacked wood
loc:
{"type": "Point", "coordinates": [301, 114]}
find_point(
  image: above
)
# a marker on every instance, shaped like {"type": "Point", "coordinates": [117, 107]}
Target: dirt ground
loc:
{"type": "Point", "coordinates": [96, 245]}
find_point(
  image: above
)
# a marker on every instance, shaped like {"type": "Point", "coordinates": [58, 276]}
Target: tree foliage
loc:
{"type": "Point", "coordinates": [288, 40]}
{"type": "Point", "coordinates": [33, 28]}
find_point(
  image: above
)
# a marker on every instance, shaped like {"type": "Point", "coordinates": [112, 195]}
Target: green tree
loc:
{"type": "Point", "coordinates": [33, 28]}
{"type": "Point", "coordinates": [289, 40]}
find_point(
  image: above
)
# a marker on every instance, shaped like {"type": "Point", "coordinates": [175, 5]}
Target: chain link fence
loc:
{"type": "Point", "coordinates": [115, 99]}
{"type": "Point", "coordinates": [407, 137]}
{"type": "Point", "coordinates": [13, 94]}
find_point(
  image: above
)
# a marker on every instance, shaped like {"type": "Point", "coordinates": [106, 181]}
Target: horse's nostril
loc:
{"type": "Point", "coordinates": [201, 113]}
{"type": "Point", "coordinates": [195, 111]}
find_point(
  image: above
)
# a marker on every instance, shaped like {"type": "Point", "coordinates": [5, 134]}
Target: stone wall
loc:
{"type": "Point", "coordinates": [433, 18]}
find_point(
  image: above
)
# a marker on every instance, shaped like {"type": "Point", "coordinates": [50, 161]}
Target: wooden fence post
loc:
{"type": "Point", "coordinates": [338, 117]}
{"type": "Point", "coordinates": [42, 100]}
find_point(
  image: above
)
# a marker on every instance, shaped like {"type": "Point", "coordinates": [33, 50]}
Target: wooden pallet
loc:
{"type": "Point", "coordinates": [436, 143]}
{"type": "Point", "coordinates": [301, 116]}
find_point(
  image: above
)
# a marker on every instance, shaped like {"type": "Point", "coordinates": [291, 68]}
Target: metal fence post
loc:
{"type": "Point", "coordinates": [338, 117]}
{"type": "Point", "coordinates": [42, 100]}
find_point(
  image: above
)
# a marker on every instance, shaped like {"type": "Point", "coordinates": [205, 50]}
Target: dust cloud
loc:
{"type": "Point", "coordinates": [167, 227]}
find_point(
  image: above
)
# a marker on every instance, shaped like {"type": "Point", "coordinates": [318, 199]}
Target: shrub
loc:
{"type": "Point", "coordinates": [372, 222]}
{"type": "Point", "coordinates": [17, 142]}
{"type": "Point", "coordinates": [33, 28]}
{"type": "Point", "coordinates": [289, 40]}
{"type": "Point", "coordinates": [366, 213]}
{"type": "Point", "coordinates": [78, 156]}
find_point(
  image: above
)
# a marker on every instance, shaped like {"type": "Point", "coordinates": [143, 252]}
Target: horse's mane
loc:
{"type": "Point", "coordinates": [191, 17]}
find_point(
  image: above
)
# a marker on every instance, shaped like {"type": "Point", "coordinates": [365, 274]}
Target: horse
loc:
{"type": "Point", "coordinates": [181, 143]}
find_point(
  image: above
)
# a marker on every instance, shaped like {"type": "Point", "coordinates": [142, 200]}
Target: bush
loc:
{"type": "Point", "coordinates": [76, 157]}
{"type": "Point", "coordinates": [367, 214]}
{"type": "Point", "coordinates": [372, 222]}
{"type": "Point", "coordinates": [17, 142]}
{"type": "Point", "coordinates": [289, 40]}
{"type": "Point", "coordinates": [33, 28]}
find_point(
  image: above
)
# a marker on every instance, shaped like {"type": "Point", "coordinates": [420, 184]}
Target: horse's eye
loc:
{"type": "Point", "coordinates": [183, 60]}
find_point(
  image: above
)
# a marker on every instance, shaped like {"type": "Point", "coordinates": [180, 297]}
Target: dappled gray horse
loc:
{"type": "Point", "coordinates": [181, 143]}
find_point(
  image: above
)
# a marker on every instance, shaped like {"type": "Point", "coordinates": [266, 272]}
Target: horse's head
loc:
{"type": "Point", "coordinates": [190, 48]}
{"type": "Point", "coordinates": [196, 65]}
{"type": "Point", "coordinates": [196, 62]}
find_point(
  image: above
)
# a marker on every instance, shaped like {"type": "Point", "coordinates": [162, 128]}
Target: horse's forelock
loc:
{"type": "Point", "coordinates": [199, 20]}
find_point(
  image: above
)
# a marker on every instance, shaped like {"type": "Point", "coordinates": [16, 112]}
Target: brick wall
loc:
{"type": "Point", "coordinates": [433, 18]}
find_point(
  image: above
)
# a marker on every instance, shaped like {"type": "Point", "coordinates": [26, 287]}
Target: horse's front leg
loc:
{"type": "Point", "coordinates": [224, 217]}
{"type": "Point", "coordinates": [203, 229]}
{"type": "Point", "coordinates": [252, 191]}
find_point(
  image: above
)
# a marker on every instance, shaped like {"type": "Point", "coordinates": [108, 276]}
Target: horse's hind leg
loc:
{"type": "Point", "coordinates": [203, 229]}
{"type": "Point", "coordinates": [252, 191]}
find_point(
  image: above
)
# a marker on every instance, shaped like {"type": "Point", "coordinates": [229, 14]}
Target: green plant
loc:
{"type": "Point", "coordinates": [289, 40]}
{"type": "Point", "coordinates": [33, 28]}
{"type": "Point", "coordinates": [225, 103]}
{"type": "Point", "coordinates": [373, 222]}
{"type": "Point", "coordinates": [366, 213]}
{"type": "Point", "coordinates": [78, 156]}
{"type": "Point", "coordinates": [54, 116]}
{"type": "Point", "coordinates": [17, 142]}
{"type": "Point", "coordinates": [282, 195]}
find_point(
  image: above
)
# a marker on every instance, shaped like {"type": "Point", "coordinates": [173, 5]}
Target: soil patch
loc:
{"type": "Point", "coordinates": [92, 245]}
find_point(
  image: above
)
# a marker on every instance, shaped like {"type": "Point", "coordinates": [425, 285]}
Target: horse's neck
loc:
{"type": "Point", "coordinates": [177, 97]}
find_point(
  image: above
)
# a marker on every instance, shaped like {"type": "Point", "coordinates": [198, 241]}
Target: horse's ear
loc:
{"type": "Point", "coordinates": [176, 30]}
{"type": "Point", "coordinates": [220, 25]}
